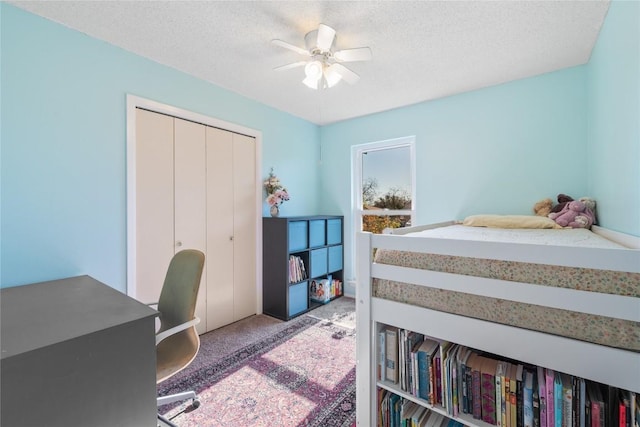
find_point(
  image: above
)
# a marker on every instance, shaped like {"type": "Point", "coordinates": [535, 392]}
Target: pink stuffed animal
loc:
{"type": "Point", "coordinates": [575, 214]}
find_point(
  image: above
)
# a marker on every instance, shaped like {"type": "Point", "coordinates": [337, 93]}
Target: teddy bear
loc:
{"type": "Point", "coordinates": [581, 221]}
{"type": "Point", "coordinates": [563, 199]}
{"type": "Point", "coordinates": [543, 207]}
{"type": "Point", "coordinates": [573, 209]}
{"type": "Point", "coordinates": [591, 205]}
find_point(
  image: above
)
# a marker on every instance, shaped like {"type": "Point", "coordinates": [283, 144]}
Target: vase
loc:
{"type": "Point", "coordinates": [274, 211]}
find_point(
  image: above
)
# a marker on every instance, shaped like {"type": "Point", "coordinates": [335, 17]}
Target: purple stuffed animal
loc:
{"type": "Point", "coordinates": [575, 214]}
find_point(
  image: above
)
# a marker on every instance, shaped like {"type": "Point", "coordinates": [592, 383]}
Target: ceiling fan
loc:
{"type": "Point", "coordinates": [324, 68]}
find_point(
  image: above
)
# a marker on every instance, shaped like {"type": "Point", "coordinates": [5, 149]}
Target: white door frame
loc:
{"type": "Point", "coordinates": [134, 102]}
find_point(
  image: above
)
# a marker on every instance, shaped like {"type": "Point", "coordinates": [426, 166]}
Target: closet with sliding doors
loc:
{"type": "Point", "coordinates": [195, 187]}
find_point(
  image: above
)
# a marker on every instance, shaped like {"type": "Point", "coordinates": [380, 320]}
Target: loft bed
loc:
{"type": "Point", "coordinates": [572, 305]}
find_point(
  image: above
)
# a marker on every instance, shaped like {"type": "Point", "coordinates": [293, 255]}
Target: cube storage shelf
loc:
{"type": "Point", "coordinates": [316, 243]}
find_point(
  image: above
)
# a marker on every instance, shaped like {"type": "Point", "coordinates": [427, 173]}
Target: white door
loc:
{"type": "Point", "coordinates": [196, 188]}
{"type": "Point", "coordinates": [220, 235]}
{"type": "Point", "coordinates": [154, 203]}
{"type": "Point", "coordinates": [244, 249]}
{"type": "Point", "coordinates": [190, 199]}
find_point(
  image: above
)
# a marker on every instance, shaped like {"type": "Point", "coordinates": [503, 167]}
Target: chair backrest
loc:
{"type": "Point", "coordinates": [177, 303]}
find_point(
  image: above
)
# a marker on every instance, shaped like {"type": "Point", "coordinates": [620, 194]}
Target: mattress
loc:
{"type": "Point", "coordinates": [587, 327]}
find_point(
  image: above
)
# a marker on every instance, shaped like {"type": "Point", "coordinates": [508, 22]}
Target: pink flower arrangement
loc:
{"type": "Point", "coordinates": [276, 193]}
{"type": "Point", "coordinates": [277, 198]}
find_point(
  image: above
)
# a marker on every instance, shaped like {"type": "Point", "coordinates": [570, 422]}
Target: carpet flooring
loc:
{"type": "Point", "coordinates": [264, 372]}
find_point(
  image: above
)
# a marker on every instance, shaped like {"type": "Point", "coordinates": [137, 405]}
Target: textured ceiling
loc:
{"type": "Point", "coordinates": [422, 50]}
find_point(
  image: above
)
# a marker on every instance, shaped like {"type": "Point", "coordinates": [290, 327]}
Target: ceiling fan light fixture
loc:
{"type": "Point", "coordinates": [311, 83]}
{"type": "Point", "coordinates": [323, 69]}
{"type": "Point", "coordinates": [331, 76]}
{"type": "Point", "coordinates": [313, 70]}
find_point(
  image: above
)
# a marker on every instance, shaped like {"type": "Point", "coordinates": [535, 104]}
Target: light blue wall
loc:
{"type": "Point", "coordinates": [63, 207]}
{"type": "Point", "coordinates": [496, 150]}
{"type": "Point", "coordinates": [614, 119]}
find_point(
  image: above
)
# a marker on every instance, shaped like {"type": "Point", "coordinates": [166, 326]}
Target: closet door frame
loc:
{"type": "Point", "coordinates": [134, 102]}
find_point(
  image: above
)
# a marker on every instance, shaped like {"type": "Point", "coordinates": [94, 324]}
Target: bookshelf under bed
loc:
{"type": "Point", "coordinates": [569, 306]}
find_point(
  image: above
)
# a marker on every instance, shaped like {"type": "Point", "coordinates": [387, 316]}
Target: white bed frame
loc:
{"type": "Point", "coordinates": [608, 365]}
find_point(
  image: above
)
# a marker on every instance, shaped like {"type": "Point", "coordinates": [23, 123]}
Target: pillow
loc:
{"type": "Point", "coordinates": [510, 221]}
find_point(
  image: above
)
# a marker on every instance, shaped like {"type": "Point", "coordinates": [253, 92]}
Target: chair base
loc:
{"type": "Point", "coordinates": [163, 422]}
{"type": "Point", "coordinates": [178, 397]}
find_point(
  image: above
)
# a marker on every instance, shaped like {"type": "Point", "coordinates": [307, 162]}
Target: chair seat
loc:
{"type": "Point", "coordinates": [175, 353]}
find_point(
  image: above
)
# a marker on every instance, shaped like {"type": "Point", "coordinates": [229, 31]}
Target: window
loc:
{"type": "Point", "coordinates": [384, 184]}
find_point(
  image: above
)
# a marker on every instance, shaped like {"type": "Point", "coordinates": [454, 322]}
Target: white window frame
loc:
{"type": "Point", "coordinates": [357, 152]}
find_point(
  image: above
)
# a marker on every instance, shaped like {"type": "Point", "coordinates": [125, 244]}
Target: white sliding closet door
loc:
{"type": "Point", "coordinates": [154, 203]}
{"type": "Point", "coordinates": [220, 233]}
{"type": "Point", "coordinates": [244, 177]}
{"type": "Point", "coordinates": [191, 199]}
{"type": "Point", "coordinates": [196, 189]}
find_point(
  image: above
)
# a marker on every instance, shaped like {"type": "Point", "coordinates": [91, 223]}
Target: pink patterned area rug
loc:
{"type": "Point", "coordinates": [302, 375]}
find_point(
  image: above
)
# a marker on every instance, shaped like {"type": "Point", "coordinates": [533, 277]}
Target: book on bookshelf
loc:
{"type": "Point", "coordinates": [488, 390]}
{"type": "Point", "coordinates": [500, 406]}
{"type": "Point", "coordinates": [465, 380]}
{"type": "Point", "coordinates": [567, 400]}
{"type": "Point", "coordinates": [597, 405]}
{"type": "Point", "coordinates": [507, 394]}
{"type": "Point", "coordinates": [557, 399]}
{"type": "Point", "coordinates": [542, 396]}
{"type": "Point", "coordinates": [475, 363]}
{"type": "Point", "coordinates": [440, 379]}
{"type": "Point", "coordinates": [528, 398]}
{"type": "Point", "coordinates": [297, 270]}
{"type": "Point", "coordinates": [520, 395]}
{"type": "Point", "coordinates": [536, 398]}
{"type": "Point", "coordinates": [551, 401]}
{"type": "Point", "coordinates": [580, 402]}
{"type": "Point", "coordinates": [424, 353]}
{"type": "Point", "coordinates": [513, 395]}
{"type": "Point", "coordinates": [382, 358]}
{"type": "Point", "coordinates": [391, 368]}
{"type": "Point", "coordinates": [576, 402]}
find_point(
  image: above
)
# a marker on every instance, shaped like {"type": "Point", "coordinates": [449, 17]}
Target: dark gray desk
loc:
{"type": "Point", "coordinates": [76, 352]}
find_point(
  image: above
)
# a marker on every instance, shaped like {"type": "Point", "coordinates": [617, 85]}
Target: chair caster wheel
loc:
{"type": "Point", "coordinates": [195, 403]}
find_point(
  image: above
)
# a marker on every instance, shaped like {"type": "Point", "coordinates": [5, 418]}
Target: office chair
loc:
{"type": "Point", "coordinates": [177, 341]}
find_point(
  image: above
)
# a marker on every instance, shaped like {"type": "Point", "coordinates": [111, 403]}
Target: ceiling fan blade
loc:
{"type": "Point", "coordinates": [289, 66]}
{"type": "Point", "coordinates": [289, 46]}
{"type": "Point", "coordinates": [351, 55]}
{"type": "Point", "coordinates": [348, 75]}
{"type": "Point", "coordinates": [326, 35]}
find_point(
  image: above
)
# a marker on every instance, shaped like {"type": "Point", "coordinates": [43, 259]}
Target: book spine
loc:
{"type": "Point", "coordinates": [438, 379]}
{"type": "Point", "coordinates": [432, 380]}
{"type": "Point", "coordinates": [488, 398]}
{"type": "Point", "coordinates": [504, 396]}
{"type": "Point", "coordinates": [528, 399]}
{"type": "Point", "coordinates": [498, 397]}
{"type": "Point", "coordinates": [519, 397]}
{"type": "Point", "coordinates": [468, 389]}
{"type": "Point", "coordinates": [549, 375]}
{"type": "Point", "coordinates": [477, 394]}
{"type": "Point", "coordinates": [463, 388]}
{"type": "Point", "coordinates": [392, 355]}
{"type": "Point", "coordinates": [567, 402]}
{"type": "Point", "coordinates": [557, 394]}
{"type": "Point", "coordinates": [595, 414]}
{"type": "Point", "coordinates": [542, 396]}
{"type": "Point", "coordinates": [582, 387]}
{"type": "Point", "coordinates": [513, 396]}
{"type": "Point", "coordinates": [423, 375]}
{"type": "Point", "coordinates": [454, 387]}
{"type": "Point", "coordinates": [536, 399]}
{"type": "Point", "coordinates": [382, 348]}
